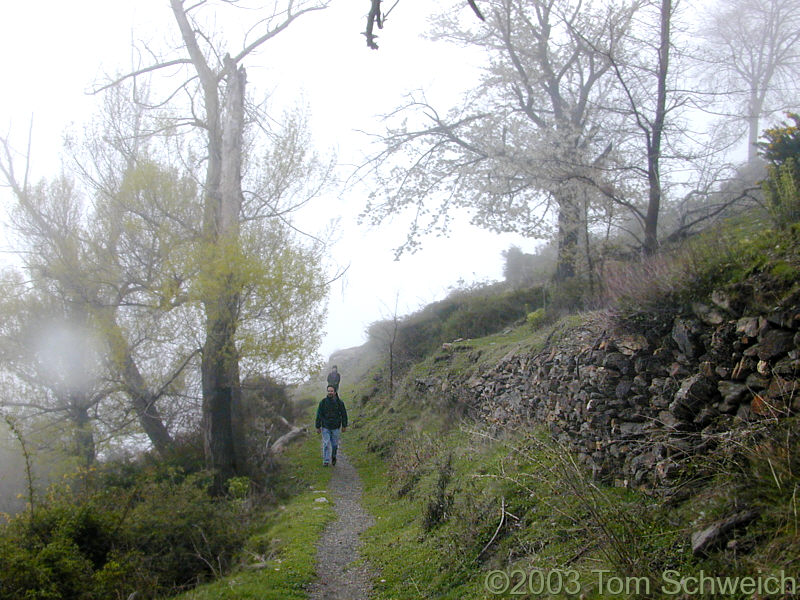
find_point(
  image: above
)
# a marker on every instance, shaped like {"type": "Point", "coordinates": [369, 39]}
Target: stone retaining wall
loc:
{"type": "Point", "coordinates": [635, 405]}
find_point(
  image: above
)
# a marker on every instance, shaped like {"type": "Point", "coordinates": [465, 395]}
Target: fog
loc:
{"type": "Point", "coordinates": [322, 62]}
{"type": "Point", "coordinates": [68, 356]}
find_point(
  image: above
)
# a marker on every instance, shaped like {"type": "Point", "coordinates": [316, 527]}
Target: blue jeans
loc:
{"type": "Point", "coordinates": [330, 443]}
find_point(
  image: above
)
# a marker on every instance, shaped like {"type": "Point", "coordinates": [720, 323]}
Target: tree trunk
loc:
{"type": "Point", "coordinates": [83, 434]}
{"type": "Point", "coordinates": [569, 227]}
{"type": "Point", "coordinates": [754, 108]}
{"type": "Point", "coordinates": [283, 441]}
{"type": "Point", "coordinates": [220, 375]}
{"type": "Point", "coordinates": [142, 399]}
{"type": "Point", "coordinates": [220, 365]}
{"type": "Point", "coordinates": [650, 246]}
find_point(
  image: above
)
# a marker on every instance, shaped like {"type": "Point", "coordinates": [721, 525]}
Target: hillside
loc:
{"type": "Point", "coordinates": [626, 449]}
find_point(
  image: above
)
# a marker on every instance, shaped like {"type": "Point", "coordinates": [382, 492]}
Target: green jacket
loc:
{"type": "Point", "coordinates": [331, 413]}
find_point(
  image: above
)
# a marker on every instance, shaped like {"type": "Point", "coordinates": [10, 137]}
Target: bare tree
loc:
{"type": "Point", "coordinates": [647, 97]}
{"type": "Point", "coordinates": [518, 153]}
{"type": "Point", "coordinates": [752, 53]}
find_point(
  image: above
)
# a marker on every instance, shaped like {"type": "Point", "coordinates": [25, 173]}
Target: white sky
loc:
{"type": "Point", "coordinates": [51, 51]}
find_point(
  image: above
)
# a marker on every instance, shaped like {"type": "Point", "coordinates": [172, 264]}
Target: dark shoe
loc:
{"type": "Point", "coordinates": [333, 460]}
{"type": "Point", "coordinates": [324, 464]}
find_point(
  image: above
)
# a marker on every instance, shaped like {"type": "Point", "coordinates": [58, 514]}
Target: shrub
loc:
{"type": "Point", "coordinates": [157, 532]}
{"type": "Point", "coordinates": [782, 142]}
{"type": "Point", "coordinates": [536, 318]}
{"type": "Point", "coordinates": [438, 506]}
{"type": "Point", "coordinates": [782, 185]}
{"type": "Point", "coordinates": [782, 192]}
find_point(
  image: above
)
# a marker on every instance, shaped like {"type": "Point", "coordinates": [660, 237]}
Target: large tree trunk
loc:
{"type": "Point", "coordinates": [755, 106]}
{"type": "Point", "coordinates": [220, 365]}
{"type": "Point", "coordinates": [220, 387]}
{"type": "Point", "coordinates": [84, 434]}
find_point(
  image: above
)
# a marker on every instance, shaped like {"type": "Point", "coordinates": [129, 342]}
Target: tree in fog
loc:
{"type": "Point", "coordinates": [521, 269]}
{"type": "Point", "coordinates": [752, 56]}
{"type": "Point", "coordinates": [133, 258]}
{"type": "Point", "coordinates": [101, 267]}
{"type": "Point", "coordinates": [646, 97]}
{"type": "Point", "coordinates": [50, 360]}
{"type": "Point", "coordinates": [518, 153]}
{"type": "Point", "coordinates": [233, 265]}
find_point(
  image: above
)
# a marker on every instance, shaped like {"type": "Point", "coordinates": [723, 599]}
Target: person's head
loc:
{"type": "Point", "coordinates": [331, 391]}
{"type": "Point", "coordinates": [334, 368]}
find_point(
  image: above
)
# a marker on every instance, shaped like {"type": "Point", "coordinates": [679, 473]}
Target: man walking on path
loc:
{"type": "Point", "coordinates": [334, 377]}
{"type": "Point", "coordinates": [331, 421]}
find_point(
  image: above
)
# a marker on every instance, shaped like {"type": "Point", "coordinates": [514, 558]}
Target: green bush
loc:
{"type": "Point", "coordinates": [536, 318]}
{"type": "Point", "coordinates": [152, 531]}
{"type": "Point", "coordinates": [782, 142]}
{"type": "Point", "coordinates": [782, 185]}
{"type": "Point", "coordinates": [782, 192]}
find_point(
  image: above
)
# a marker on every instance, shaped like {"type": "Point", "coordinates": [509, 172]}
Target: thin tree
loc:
{"type": "Point", "coordinates": [645, 85]}
{"type": "Point", "coordinates": [752, 53]}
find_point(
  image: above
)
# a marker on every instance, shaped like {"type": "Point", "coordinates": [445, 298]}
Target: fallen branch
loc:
{"type": "Point", "coordinates": [499, 526]}
{"type": "Point", "coordinates": [281, 443]}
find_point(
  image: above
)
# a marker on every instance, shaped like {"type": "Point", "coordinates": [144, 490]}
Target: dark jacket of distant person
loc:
{"type": "Point", "coordinates": [331, 413]}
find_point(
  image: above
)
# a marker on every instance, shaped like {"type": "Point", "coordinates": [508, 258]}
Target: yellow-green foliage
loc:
{"type": "Point", "coordinates": [277, 285]}
{"type": "Point", "coordinates": [782, 185]}
{"type": "Point", "coordinates": [536, 318]}
{"type": "Point", "coordinates": [782, 142]}
{"type": "Point", "coordinates": [148, 227]}
{"type": "Point", "coordinates": [283, 306]}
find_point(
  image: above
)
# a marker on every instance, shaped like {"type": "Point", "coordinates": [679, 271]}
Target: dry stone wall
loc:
{"type": "Point", "coordinates": [635, 405]}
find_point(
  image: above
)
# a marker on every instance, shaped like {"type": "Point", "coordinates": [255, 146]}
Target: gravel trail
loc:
{"type": "Point", "coordinates": [338, 577]}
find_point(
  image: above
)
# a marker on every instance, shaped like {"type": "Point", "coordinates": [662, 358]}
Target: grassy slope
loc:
{"type": "Point", "coordinates": [439, 497]}
{"type": "Point", "coordinates": [438, 489]}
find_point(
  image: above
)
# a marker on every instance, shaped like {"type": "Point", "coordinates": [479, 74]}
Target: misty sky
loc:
{"type": "Point", "coordinates": [52, 51]}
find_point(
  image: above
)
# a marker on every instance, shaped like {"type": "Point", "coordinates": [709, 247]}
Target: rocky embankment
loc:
{"type": "Point", "coordinates": [636, 402]}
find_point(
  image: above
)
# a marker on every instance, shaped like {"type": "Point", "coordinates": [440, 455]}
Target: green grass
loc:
{"type": "Point", "coordinates": [555, 517]}
{"type": "Point", "coordinates": [284, 548]}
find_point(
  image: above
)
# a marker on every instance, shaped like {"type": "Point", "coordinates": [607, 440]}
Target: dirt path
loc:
{"type": "Point", "coordinates": [338, 577]}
